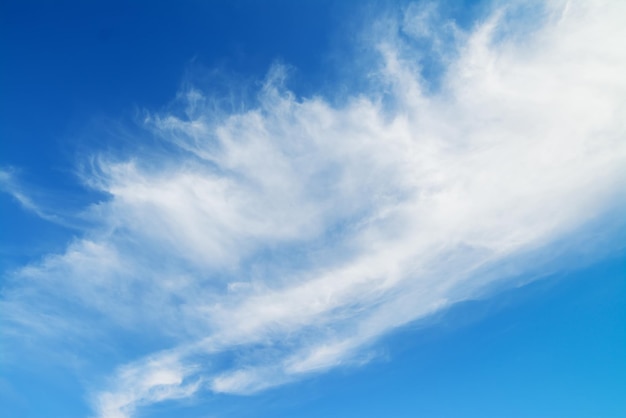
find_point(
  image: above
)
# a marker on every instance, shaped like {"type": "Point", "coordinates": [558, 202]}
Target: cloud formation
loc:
{"type": "Point", "coordinates": [285, 239]}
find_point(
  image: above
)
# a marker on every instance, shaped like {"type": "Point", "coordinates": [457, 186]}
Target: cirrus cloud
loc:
{"type": "Point", "coordinates": [296, 233]}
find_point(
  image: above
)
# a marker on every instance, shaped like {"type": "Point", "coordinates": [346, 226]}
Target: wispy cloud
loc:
{"type": "Point", "coordinates": [297, 233]}
{"type": "Point", "coordinates": [10, 185]}
{"type": "Point", "coordinates": [54, 209]}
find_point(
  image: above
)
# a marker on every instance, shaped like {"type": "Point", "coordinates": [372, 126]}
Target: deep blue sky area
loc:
{"type": "Point", "coordinates": [73, 72]}
{"type": "Point", "coordinates": [67, 66]}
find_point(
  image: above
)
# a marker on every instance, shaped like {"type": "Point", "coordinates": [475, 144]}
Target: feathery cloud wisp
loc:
{"type": "Point", "coordinates": [296, 233]}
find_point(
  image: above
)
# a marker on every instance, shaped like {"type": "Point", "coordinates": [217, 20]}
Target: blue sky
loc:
{"type": "Point", "coordinates": [312, 209]}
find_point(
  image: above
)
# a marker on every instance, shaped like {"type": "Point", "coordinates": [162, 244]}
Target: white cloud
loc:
{"type": "Point", "coordinates": [10, 185]}
{"type": "Point", "coordinates": [155, 380]}
{"type": "Point", "coordinates": [297, 233]}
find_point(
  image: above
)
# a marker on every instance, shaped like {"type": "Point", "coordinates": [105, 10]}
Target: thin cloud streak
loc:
{"type": "Point", "coordinates": [10, 185]}
{"type": "Point", "coordinates": [297, 233]}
